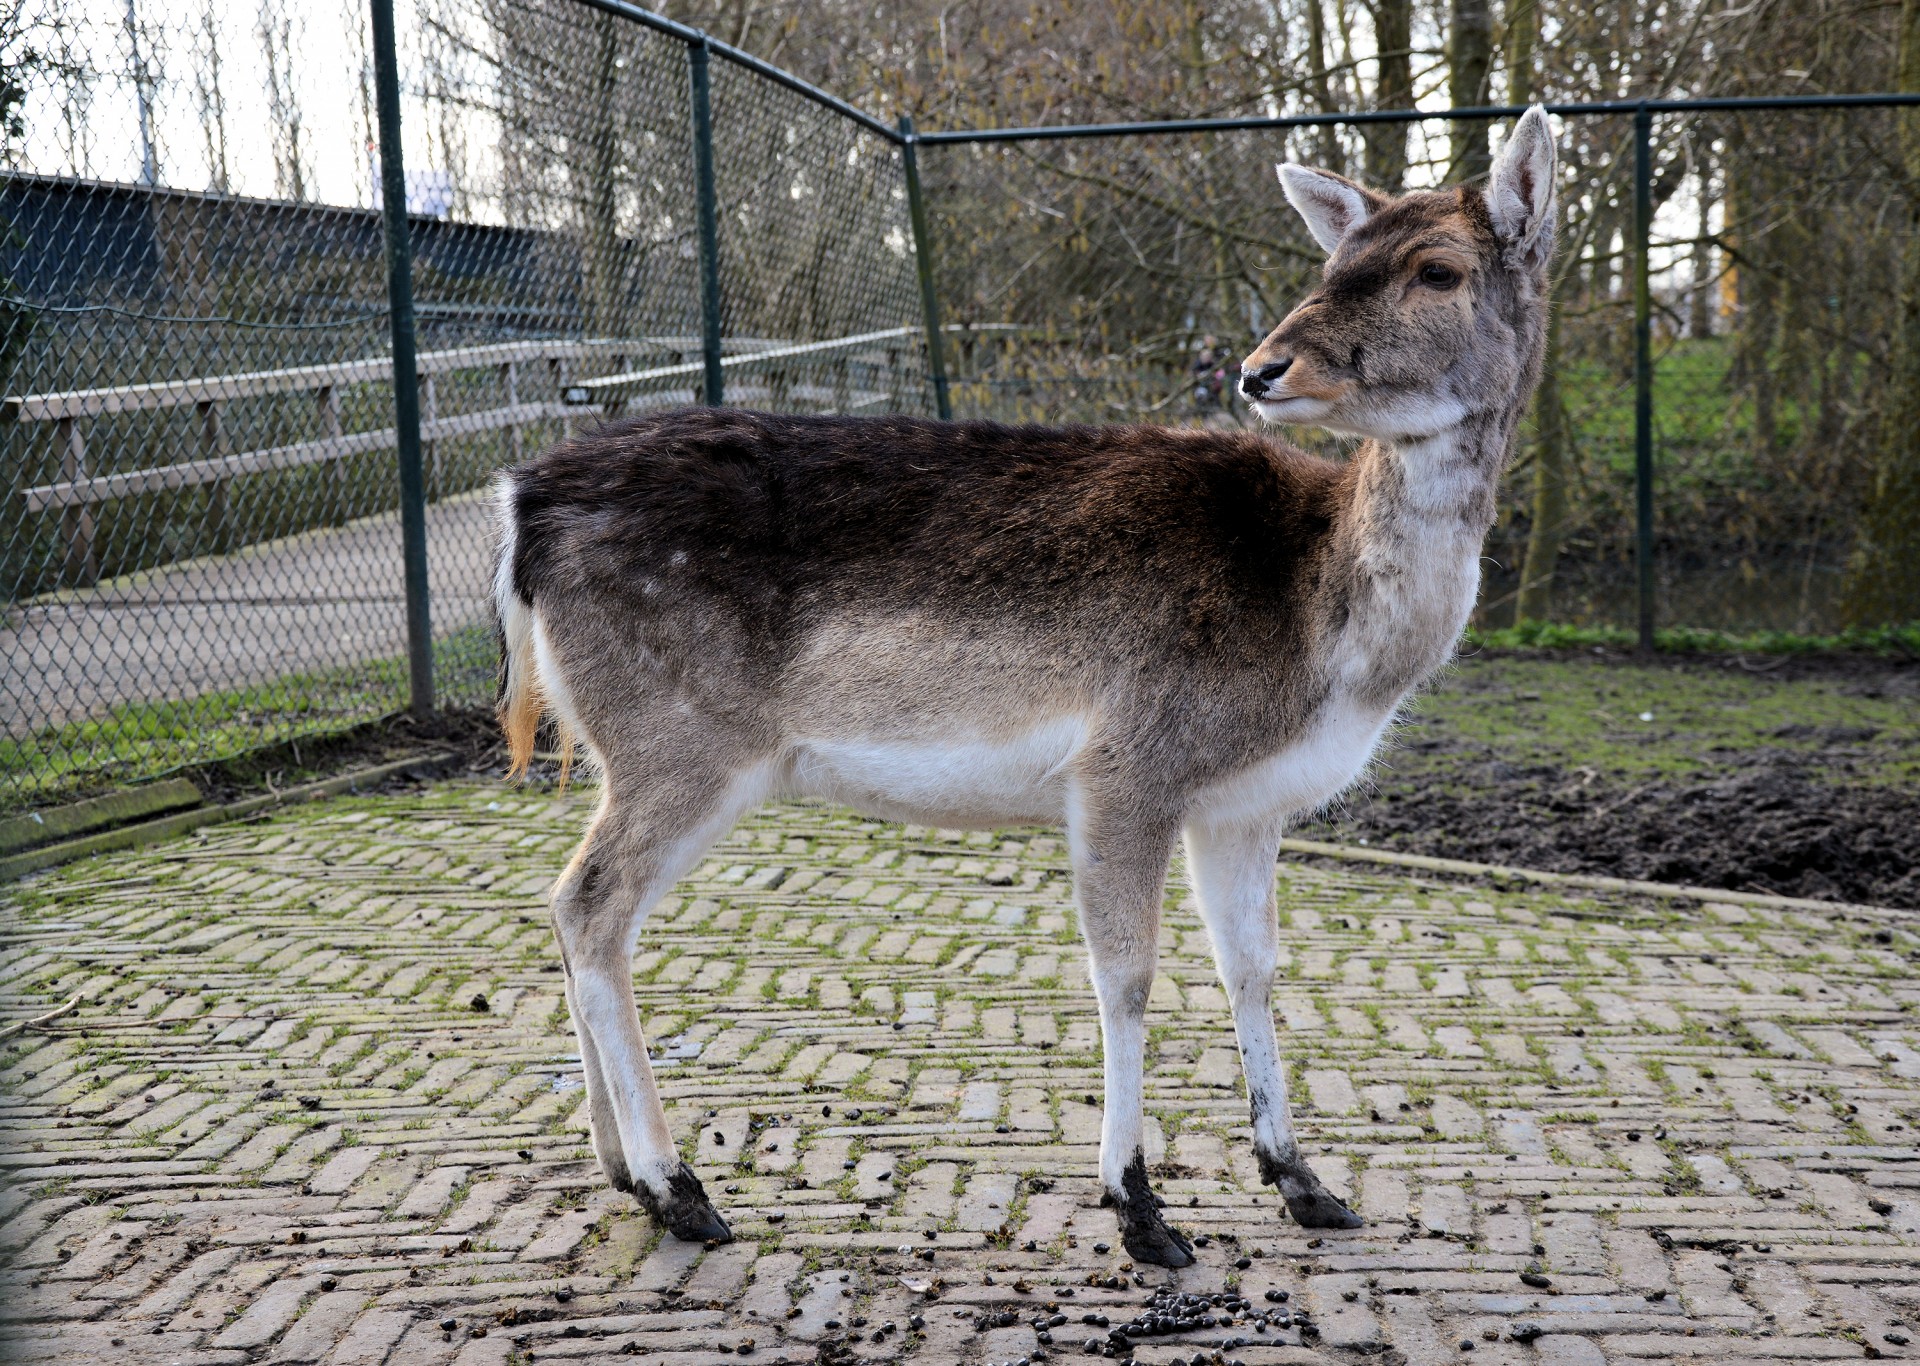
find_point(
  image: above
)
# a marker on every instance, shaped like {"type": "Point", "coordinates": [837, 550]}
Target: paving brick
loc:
{"type": "Point", "coordinates": [278, 1131]}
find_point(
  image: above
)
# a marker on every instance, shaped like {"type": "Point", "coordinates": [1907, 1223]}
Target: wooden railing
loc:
{"type": "Point", "coordinates": [78, 491]}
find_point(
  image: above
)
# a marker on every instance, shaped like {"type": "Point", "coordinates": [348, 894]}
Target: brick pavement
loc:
{"type": "Point", "coordinates": [322, 1105]}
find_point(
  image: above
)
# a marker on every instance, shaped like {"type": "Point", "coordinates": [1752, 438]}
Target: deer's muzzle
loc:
{"type": "Point", "coordinates": [1255, 382]}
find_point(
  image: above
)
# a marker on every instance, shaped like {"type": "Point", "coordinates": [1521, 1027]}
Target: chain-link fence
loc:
{"type": "Point", "coordinates": [204, 546]}
{"type": "Point", "coordinates": [1122, 274]}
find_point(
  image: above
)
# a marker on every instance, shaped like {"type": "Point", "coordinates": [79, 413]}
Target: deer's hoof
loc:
{"type": "Point", "coordinates": [1154, 1241]}
{"type": "Point", "coordinates": [684, 1210]}
{"type": "Point", "coordinates": [1311, 1204]}
{"type": "Point", "coordinates": [1144, 1231]}
{"type": "Point", "coordinates": [1320, 1208]}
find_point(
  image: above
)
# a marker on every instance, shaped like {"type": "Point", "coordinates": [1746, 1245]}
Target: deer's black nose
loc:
{"type": "Point", "coordinates": [1255, 383]}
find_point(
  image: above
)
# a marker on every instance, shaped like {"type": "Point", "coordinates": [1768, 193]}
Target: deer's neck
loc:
{"type": "Point", "coordinates": [1416, 522]}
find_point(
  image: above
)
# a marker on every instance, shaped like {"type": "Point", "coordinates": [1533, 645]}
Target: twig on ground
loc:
{"type": "Point", "coordinates": [22, 1026]}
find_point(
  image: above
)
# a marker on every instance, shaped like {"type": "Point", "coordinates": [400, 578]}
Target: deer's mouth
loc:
{"type": "Point", "coordinates": [1301, 397]}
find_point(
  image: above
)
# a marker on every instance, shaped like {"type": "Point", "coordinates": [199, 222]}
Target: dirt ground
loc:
{"type": "Point", "coordinates": [1793, 776]}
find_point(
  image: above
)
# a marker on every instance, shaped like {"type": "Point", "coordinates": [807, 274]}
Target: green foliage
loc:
{"type": "Point", "coordinates": [1901, 642]}
{"type": "Point", "coordinates": [142, 740]}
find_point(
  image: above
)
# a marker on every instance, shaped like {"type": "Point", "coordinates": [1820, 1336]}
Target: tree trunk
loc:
{"type": "Point", "coordinates": [1331, 157]}
{"type": "Point", "coordinates": [1700, 302]}
{"type": "Point", "coordinates": [1469, 60]}
{"type": "Point", "coordinates": [1884, 583]}
{"type": "Point", "coordinates": [596, 183]}
{"type": "Point", "coordinates": [1386, 143]}
{"type": "Point", "coordinates": [1549, 485]}
{"type": "Point", "coordinates": [1523, 27]}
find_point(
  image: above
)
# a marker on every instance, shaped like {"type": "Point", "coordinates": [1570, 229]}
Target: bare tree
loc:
{"type": "Point", "coordinates": [277, 41]}
{"type": "Point", "coordinates": [1386, 143]}
{"type": "Point", "coordinates": [1469, 68]}
{"type": "Point", "coordinates": [210, 97]}
{"type": "Point", "coordinates": [1884, 583]}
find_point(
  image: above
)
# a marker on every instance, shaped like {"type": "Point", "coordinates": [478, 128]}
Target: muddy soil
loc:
{"type": "Point", "coordinates": [1791, 818]}
{"type": "Point", "coordinates": [1767, 826]}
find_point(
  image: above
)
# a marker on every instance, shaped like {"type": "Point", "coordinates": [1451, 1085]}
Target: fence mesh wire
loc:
{"type": "Point", "coordinates": [1124, 278]}
{"type": "Point", "coordinates": [201, 546]}
{"type": "Point", "coordinates": [200, 543]}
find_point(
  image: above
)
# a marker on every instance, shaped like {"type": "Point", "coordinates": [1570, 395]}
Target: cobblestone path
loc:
{"type": "Point", "coordinates": [321, 1104]}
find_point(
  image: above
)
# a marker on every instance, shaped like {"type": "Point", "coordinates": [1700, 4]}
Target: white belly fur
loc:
{"type": "Point", "coordinates": [972, 782]}
{"type": "Point", "coordinates": [958, 782]}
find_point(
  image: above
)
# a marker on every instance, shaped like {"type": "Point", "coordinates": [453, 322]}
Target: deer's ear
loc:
{"type": "Point", "coordinates": [1332, 205]}
{"type": "Point", "coordinates": [1520, 191]}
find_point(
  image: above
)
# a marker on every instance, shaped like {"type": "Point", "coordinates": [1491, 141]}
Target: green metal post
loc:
{"type": "Point", "coordinates": [923, 261]}
{"type": "Point", "coordinates": [1643, 369]}
{"type": "Point", "coordinates": [707, 204]}
{"type": "Point", "coordinates": [406, 375]}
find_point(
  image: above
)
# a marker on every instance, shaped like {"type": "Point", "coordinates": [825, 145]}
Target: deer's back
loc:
{"type": "Point", "coordinates": [784, 520]}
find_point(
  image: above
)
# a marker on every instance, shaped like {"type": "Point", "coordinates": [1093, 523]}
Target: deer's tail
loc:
{"type": "Point", "coordinates": [521, 702]}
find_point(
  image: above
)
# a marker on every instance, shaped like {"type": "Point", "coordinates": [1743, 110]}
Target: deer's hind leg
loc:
{"type": "Point", "coordinates": [1232, 868]}
{"type": "Point", "coordinates": [659, 812]}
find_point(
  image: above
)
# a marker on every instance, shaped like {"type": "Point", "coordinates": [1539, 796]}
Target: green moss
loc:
{"type": "Point", "coordinates": [1896, 642]}
{"type": "Point", "coordinates": [1618, 719]}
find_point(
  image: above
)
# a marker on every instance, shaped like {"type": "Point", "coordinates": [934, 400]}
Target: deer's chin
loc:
{"type": "Point", "coordinates": [1401, 417]}
{"type": "Point", "coordinates": [1296, 410]}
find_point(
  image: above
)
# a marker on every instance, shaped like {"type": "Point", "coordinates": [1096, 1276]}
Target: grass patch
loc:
{"type": "Point", "coordinates": [139, 741]}
{"type": "Point", "coordinates": [1891, 642]}
{"type": "Point", "coordinates": [1670, 718]}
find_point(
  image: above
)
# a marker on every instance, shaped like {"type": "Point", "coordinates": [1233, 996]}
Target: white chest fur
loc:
{"type": "Point", "coordinates": [1416, 582]}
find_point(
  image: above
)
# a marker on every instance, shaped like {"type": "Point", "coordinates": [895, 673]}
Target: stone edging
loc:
{"type": "Point", "coordinates": [130, 836]}
{"type": "Point", "coordinates": [1592, 881]}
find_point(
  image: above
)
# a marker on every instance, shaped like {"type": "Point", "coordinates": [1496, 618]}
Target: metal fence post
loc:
{"type": "Point", "coordinates": [709, 223]}
{"type": "Point", "coordinates": [406, 379]}
{"type": "Point", "coordinates": [923, 262]}
{"type": "Point", "coordinates": [1643, 369]}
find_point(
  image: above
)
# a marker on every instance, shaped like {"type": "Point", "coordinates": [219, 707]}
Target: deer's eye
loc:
{"type": "Point", "coordinates": [1439, 276]}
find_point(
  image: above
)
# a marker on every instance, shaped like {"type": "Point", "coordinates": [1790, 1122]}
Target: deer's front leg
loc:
{"type": "Point", "coordinates": [1119, 874]}
{"type": "Point", "coordinates": [1232, 870]}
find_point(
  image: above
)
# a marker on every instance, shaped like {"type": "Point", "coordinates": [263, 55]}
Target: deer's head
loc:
{"type": "Point", "coordinates": [1431, 308]}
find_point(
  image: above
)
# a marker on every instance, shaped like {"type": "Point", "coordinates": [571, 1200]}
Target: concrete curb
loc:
{"type": "Point", "coordinates": [132, 836]}
{"type": "Point", "coordinates": [1591, 881]}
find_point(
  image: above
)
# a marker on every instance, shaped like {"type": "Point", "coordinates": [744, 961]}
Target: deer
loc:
{"type": "Point", "coordinates": [1148, 635]}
